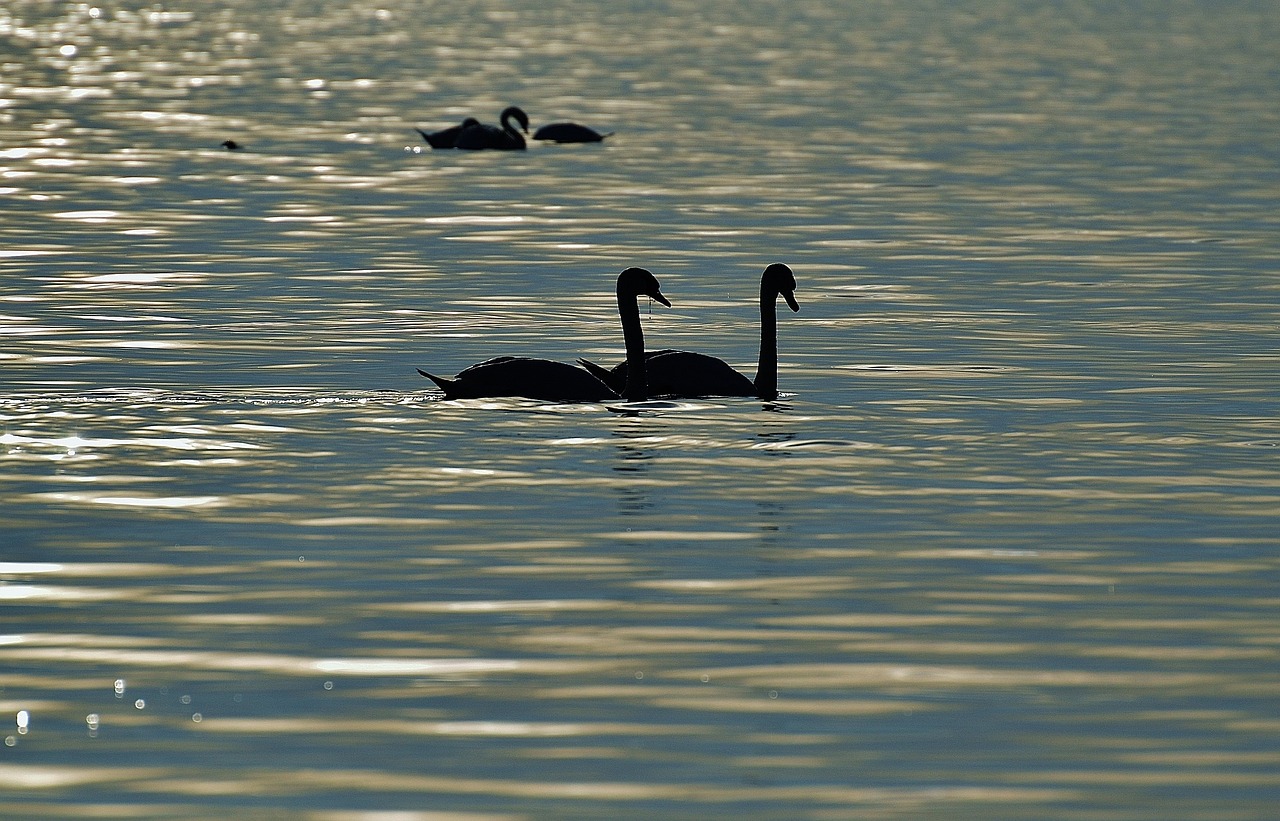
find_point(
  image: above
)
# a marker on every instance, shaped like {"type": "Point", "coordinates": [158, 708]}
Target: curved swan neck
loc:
{"type": "Point", "coordinates": [512, 132]}
{"type": "Point", "coordinates": [766, 381]}
{"type": "Point", "coordinates": [633, 336]}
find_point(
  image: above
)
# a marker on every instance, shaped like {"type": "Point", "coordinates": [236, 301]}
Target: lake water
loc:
{"type": "Point", "coordinates": [1006, 548]}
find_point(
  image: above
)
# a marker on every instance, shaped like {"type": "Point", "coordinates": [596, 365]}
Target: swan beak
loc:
{"type": "Point", "coordinates": [658, 296]}
{"type": "Point", "coordinates": [791, 300]}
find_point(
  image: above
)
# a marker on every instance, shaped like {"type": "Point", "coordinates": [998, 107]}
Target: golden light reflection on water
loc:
{"type": "Point", "coordinates": [162, 780]}
{"type": "Point", "coordinates": [1002, 552]}
{"type": "Point", "coordinates": [117, 650]}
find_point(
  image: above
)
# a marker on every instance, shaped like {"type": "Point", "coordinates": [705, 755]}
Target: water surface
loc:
{"type": "Point", "coordinates": [1005, 547]}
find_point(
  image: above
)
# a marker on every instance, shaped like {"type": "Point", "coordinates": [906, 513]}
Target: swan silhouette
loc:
{"type": "Point", "coordinates": [446, 138]}
{"type": "Point", "coordinates": [689, 374]}
{"type": "Point", "coordinates": [557, 381]}
{"type": "Point", "coordinates": [506, 138]}
{"type": "Point", "coordinates": [569, 133]}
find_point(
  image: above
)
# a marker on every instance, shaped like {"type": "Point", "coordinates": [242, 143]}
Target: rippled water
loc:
{"type": "Point", "coordinates": [1005, 548]}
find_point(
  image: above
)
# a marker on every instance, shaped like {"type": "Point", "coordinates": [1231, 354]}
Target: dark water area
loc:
{"type": "Point", "coordinates": [1004, 548]}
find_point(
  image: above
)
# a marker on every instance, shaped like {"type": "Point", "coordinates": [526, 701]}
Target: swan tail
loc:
{"type": "Point", "coordinates": [599, 372]}
{"type": "Point", "coordinates": [442, 383]}
{"type": "Point", "coordinates": [438, 140]}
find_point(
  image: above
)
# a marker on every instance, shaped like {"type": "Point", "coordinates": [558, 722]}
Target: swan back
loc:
{"type": "Point", "coordinates": [569, 133]}
{"type": "Point", "coordinates": [691, 374]}
{"type": "Point", "coordinates": [445, 138]}
{"type": "Point", "coordinates": [674, 373]}
{"type": "Point", "coordinates": [524, 376]}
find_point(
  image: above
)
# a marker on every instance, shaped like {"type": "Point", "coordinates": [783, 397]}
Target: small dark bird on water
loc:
{"type": "Point", "coordinates": [230, 145]}
{"type": "Point", "coordinates": [569, 133]}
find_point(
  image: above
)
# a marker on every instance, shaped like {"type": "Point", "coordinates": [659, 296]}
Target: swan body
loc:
{"type": "Point", "coordinates": [506, 138]}
{"type": "Point", "coordinates": [664, 375]}
{"type": "Point", "coordinates": [524, 376]}
{"type": "Point", "coordinates": [688, 374]}
{"type": "Point", "coordinates": [569, 133]}
{"type": "Point", "coordinates": [445, 138]}
{"type": "Point", "coordinates": [557, 381]}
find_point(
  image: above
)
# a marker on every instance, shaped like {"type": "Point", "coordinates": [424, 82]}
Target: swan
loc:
{"type": "Point", "coordinates": [569, 133]}
{"type": "Point", "coordinates": [505, 138]}
{"type": "Point", "coordinates": [445, 138]}
{"type": "Point", "coordinates": [689, 374]}
{"type": "Point", "coordinates": [557, 381]}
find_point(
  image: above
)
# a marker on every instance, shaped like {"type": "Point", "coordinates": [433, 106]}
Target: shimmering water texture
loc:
{"type": "Point", "coordinates": [1003, 547]}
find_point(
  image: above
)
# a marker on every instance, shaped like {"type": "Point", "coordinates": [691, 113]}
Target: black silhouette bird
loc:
{"type": "Point", "coordinates": [569, 133]}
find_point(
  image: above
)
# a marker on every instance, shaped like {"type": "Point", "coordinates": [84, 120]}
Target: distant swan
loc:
{"type": "Point", "coordinates": [556, 381]}
{"type": "Point", "coordinates": [689, 374]}
{"type": "Point", "coordinates": [506, 138]}
{"type": "Point", "coordinates": [569, 133]}
{"type": "Point", "coordinates": [445, 138]}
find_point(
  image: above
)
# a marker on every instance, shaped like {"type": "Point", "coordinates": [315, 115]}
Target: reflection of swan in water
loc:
{"type": "Point", "coordinates": [505, 138]}
{"type": "Point", "coordinates": [557, 381]}
{"type": "Point", "coordinates": [445, 138]}
{"type": "Point", "coordinates": [689, 374]}
{"type": "Point", "coordinates": [569, 133]}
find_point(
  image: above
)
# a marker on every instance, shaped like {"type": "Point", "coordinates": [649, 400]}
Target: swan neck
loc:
{"type": "Point", "coordinates": [767, 366]}
{"type": "Point", "coordinates": [633, 337]}
{"type": "Point", "coordinates": [511, 131]}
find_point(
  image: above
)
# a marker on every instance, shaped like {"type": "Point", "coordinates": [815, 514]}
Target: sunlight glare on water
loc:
{"type": "Point", "coordinates": [1004, 547]}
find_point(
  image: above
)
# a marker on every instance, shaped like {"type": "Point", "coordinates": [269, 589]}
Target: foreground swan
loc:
{"type": "Point", "coordinates": [446, 138]}
{"type": "Point", "coordinates": [689, 374]}
{"type": "Point", "coordinates": [569, 133]}
{"type": "Point", "coordinates": [506, 138]}
{"type": "Point", "coordinates": [557, 381]}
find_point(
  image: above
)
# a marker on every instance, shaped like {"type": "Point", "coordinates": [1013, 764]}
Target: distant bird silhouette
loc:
{"type": "Point", "coordinates": [445, 138]}
{"type": "Point", "coordinates": [557, 381]}
{"type": "Point", "coordinates": [506, 138]}
{"type": "Point", "coordinates": [688, 374]}
{"type": "Point", "coordinates": [569, 133]}
{"type": "Point", "coordinates": [230, 145]}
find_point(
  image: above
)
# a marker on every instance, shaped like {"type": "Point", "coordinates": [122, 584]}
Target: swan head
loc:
{"type": "Point", "coordinates": [640, 282]}
{"type": "Point", "coordinates": [779, 279]}
{"type": "Point", "coordinates": [517, 114]}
